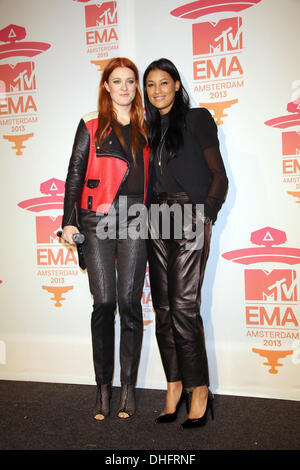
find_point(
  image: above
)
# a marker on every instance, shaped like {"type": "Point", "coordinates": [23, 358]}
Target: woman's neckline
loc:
{"type": "Point", "coordinates": [165, 116]}
{"type": "Point", "coordinates": [124, 125]}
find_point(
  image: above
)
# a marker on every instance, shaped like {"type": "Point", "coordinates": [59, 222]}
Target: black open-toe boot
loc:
{"type": "Point", "coordinates": [127, 402]}
{"type": "Point", "coordinates": [102, 406]}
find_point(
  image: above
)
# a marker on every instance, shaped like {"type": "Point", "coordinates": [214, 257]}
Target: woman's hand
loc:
{"type": "Point", "coordinates": [68, 232]}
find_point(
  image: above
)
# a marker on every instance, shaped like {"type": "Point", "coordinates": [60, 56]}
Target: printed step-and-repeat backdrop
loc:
{"type": "Point", "coordinates": [237, 59]}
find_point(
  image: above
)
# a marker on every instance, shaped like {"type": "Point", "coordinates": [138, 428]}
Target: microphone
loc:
{"type": "Point", "coordinates": [78, 238]}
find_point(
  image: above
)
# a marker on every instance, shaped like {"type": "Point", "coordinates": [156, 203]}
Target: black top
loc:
{"type": "Point", "coordinates": [134, 183]}
{"type": "Point", "coordinates": [164, 180]}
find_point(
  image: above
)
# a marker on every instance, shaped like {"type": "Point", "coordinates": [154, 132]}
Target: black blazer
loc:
{"type": "Point", "coordinates": [198, 166]}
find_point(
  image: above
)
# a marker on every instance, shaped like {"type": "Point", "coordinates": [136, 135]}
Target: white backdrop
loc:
{"type": "Point", "coordinates": [242, 64]}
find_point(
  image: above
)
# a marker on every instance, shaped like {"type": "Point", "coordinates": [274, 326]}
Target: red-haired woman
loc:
{"type": "Point", "coordinates": [107, 176]}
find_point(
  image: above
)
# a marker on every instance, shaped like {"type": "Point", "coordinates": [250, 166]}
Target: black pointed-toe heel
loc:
{"type": "Point", "coordinates": [127, 402]}
{"type": "Point", "coordinates": [102, 406]}
{"type": "Point", "coordinates": [171, 417]}
{"type": "Point", "coordinates": [198, 422]}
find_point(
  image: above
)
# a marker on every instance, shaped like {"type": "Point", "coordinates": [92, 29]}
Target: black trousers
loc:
{"type": "Point", "coordinates": [176, 274]}
{"type": "Point", "coordinates": [116, 269]}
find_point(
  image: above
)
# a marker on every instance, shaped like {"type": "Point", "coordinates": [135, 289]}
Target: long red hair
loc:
{"type": "Point", "coordinates": [107, 116]}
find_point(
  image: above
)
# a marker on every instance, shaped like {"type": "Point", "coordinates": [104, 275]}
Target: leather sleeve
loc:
{"type": "Point", "coordinates": [219, 184]}
{"type": "Point", "coordinates": [76, 175]}
{"type": "Point", "coordinates": [206, 133]}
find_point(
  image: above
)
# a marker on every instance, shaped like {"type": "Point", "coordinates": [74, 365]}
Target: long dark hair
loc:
{"type": "Point", "coordinates": [174, 135]}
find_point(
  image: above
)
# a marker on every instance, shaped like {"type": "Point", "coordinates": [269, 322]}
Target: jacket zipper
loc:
{"type": "Point", "coordinates": [115, 155]}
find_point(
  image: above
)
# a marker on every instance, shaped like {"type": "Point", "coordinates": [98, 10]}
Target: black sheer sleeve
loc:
{"type": "Point", "coordinates": [76, 174]}
{"type": "Point", "coordinates": [206, 133]}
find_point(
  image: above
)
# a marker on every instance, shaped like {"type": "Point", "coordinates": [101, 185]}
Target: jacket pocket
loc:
{"type": "Point", "coordinates": [92, 183]}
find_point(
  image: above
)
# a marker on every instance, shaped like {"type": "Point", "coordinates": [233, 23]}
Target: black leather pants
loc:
{"type": "Point", "coordinates": [176, 274]}
{"type": "Point", "coordinates": [116, 270]}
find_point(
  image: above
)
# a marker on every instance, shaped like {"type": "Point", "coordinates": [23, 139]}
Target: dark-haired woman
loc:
{"type": "Point", "coordinates": [107, 176]}
{"type": "Point", "coordinates": [187, 171]}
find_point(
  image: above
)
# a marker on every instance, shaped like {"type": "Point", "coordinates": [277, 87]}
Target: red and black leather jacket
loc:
{"type": "Point", "coordinates": [95, 175]}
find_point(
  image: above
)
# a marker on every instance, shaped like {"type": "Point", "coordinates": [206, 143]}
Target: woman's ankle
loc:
{"type": "Point", "coordinates": [198, 401]}
{"type": "Point", "coordinates": [174, 392]}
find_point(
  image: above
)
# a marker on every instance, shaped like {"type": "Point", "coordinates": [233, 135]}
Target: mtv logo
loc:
{"type": "Point", "coordinates": [19, 77]}
{"type": "Point", "coordinates": [279, 285]}
{"type": "Point", "coordinates": [46, 228]}
{"type": "Point", "coordinates": [291, 143]}
{"type": "Point", "coordinates": [101, 15]}
{"type": "Point", "coordinates": [215, 38]}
